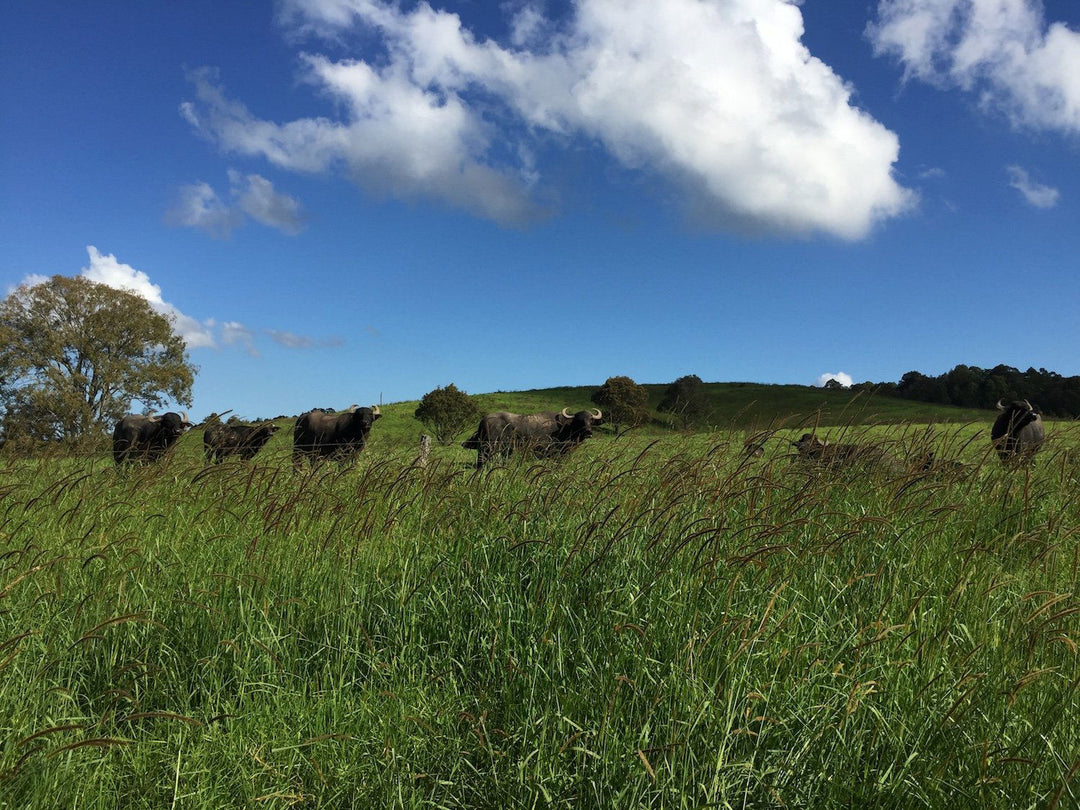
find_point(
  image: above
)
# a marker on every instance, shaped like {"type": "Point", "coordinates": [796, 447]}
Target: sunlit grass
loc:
{"type": "Point", "coordinates": [645, 623]}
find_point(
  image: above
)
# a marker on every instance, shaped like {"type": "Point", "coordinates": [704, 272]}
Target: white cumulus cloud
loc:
{"type": "Point", "coordinates": [1003, 51]}
{"type": "Point", "coordinates": [106, 269]}
{"type": "Point", "coordinates": [719, 98]}
{"type": "Point", "coordinates": [841, 377]}
{"type": "Point", "coordinates": [1037, 194]}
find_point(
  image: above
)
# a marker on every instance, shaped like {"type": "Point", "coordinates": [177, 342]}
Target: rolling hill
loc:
{"type": "Point", "coordinates": [735, 405]}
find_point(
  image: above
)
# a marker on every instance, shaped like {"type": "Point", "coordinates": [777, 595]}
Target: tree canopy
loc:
{"type": "Point", "coordinates": [74, 354]}
{"type": "Point", "coordinates": [623, 401]}
{"type": "Point", "coordinates": [973, 387]}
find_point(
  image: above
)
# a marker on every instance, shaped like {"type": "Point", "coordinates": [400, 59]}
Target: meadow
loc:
{"type": "Point", "coordinates": [654, 621]}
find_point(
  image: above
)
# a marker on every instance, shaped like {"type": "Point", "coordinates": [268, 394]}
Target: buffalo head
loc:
{"type": "Point", "coordinates": [578, 426]}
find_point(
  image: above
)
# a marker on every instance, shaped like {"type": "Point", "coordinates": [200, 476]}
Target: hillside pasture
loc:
{"type": "Point", "coordinates": [650, 622]}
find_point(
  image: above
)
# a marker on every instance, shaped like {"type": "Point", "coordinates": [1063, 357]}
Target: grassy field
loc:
{"type": "Point", "coordinates": [654, 621]}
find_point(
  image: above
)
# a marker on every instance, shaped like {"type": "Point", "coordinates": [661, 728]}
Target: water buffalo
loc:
{"type": "Point", "coordinates": [543, 434]}
{"type": "Point", "coordinates": [332, 435]}
{"type": "Point", "coordinates": [147, 438]}
{"type": "Point", "coordinates": [221, 440]}
{"type": "Point", "coordinates": [1018, 432]}
{"type": "Point", "coordinates": [812, 449]}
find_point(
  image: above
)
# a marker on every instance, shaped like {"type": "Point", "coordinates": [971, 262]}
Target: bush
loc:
{"type": "Point", "coordinates": [446, 412]}
{"type": "Point", "coordinates": [623, 401]}
{"type": "Point", "coordinates": [685, 399]}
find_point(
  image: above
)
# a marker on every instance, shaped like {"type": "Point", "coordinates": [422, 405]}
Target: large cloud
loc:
{"type": "Point", "coordinates": [1002, 50]}
{"type": "Point", "coordinates": [719, 97]}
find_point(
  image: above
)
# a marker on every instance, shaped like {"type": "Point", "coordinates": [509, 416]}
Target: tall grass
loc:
{"type": "Point", "coordinates": [654, 624]}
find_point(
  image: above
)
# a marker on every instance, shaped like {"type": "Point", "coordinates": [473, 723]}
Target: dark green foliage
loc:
{"type": "Point", "coordinates": [447, 412]}
{"type": "Point", "coordinates": [625, 403]}
{"type": "Point", "coordinates": [973, 387]}
{"type": "Point", "coordinates": [685, 400]}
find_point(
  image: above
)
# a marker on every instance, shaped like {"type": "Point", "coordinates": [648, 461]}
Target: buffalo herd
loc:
{"type": "Point", "coordinates": [1016, 436]}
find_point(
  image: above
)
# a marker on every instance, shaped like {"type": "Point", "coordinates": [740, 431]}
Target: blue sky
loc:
{"type": "Point", "coordinates": [342, 201]}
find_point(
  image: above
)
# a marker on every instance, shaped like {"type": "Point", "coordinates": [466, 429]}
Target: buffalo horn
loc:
{"type": "Point", "coordinates": [597, 414]}
{"type": "Point", "coordinates": [374, 410]}
{"type": "Point", "coordinates": [1028, 405]}
{"type": "Point", "coordinates": [352, 409]}
{"type": "Point", "coordinates": [566, 413]}
{"type": "Point", "coordinates": [184, 416]}
{"type": "Point", "coordinates": [1000, 407]}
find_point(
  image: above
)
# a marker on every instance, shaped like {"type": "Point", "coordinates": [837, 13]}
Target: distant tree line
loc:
{"type": "Point", "coordinates": [974, 387]}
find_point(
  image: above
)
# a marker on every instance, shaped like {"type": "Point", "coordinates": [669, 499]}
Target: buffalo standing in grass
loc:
{"type": "Point", "coordinates": [1018, 432]}
{"type": "Point", "coordinates": [543, 434]}
{"type": "Point", "coordinates": [147, 438]}
{"type": "Point", "coordinates": [220, 441]}
{"type": "Point", "coordinates": [319, 435]}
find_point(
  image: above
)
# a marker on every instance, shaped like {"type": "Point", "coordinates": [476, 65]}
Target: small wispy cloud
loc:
{"type": "Point", "coordinates": [256, 197]}
{"type": "Point", "coordinates": [199, 205]}
{"type": "Point", "coordinates": [1037, 194]}
{"type": "Point", "coordinates": [234, 333]}
{"type": "Point", "coordinates": [291, 340]}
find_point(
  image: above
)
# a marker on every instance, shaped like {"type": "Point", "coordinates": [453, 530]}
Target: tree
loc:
{"type": "Point", "coordinates": [685, 399]}
{"type": "Point", "coordinates": [446, 412]}
{"type": "Point", "coordinates": [623, 401]}
{"type": "Point", "coordinates": [75, 353]}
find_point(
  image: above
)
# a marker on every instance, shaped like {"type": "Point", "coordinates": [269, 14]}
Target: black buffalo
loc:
{"type": "Point", "coordinates": [1018, 432]}
{"type": "Point", "coordinates": [332, 435]}
{"type": "Point", "coordinates": [147, 438]}
{"type": "Point", "coordinates": [543, 434]}
{"type": "Point", "coordinates": [813, 450]}
{"type": "Point", "coordinates": [245, 441]}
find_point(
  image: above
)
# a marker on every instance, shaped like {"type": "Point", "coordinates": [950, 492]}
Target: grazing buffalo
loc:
{"type": "Point", "coordinates": [332, 435]}
{"type": "Point", "coordinates": [147, 438]}
{"type": "Point", "coordinates": [543, 434]}
{"type": "Point", "coordinates": [812, 449]}
{"type": "Point", "coordinates": [1018, 432]}
{"type": "Point", "coordinates": [221, 440]}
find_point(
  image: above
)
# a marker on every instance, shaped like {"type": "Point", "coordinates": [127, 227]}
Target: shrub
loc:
{"type": "Point", "coordinates": [685, 399]}
{"type": "Point", "coordinates": [446, 412]}
{"type": "Point", "coordinates": [623, 401]}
